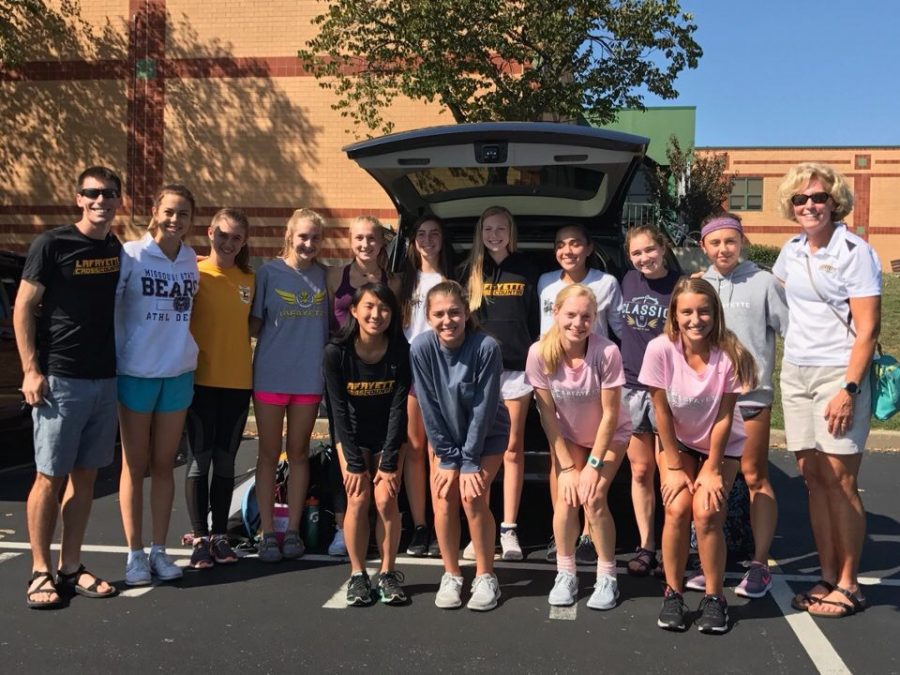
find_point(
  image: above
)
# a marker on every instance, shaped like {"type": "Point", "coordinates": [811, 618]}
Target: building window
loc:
{"type": "Point", "coordinates": [746, 195]}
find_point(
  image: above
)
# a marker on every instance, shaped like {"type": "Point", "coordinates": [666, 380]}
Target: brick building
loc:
{"type": "Point", "coordinates": [212, 95]}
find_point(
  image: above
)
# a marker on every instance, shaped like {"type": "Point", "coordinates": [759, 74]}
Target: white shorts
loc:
{"type": "Point", "coordinates": [805, 393]}
{"type": "Point", "coordinates": [513, 385]}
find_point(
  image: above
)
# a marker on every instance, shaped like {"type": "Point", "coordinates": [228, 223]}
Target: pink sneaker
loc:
{"type": "Point", "coordinates": [756, 582]}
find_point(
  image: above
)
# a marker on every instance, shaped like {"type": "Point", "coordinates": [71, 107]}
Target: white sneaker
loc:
{"type": "Point", "coordinates": [338, 547]}
{"type": "Point", "coordinates": [485, 593]}
{"type": "Point", "coordinates": [137, 570]}
{"type": "Point", "coordinates": [565, 590]}
{"type": "Point", "coordinates": [163, 567]}
{"type": "Point", "coordinates": [509, 544]}
{"type": "Point", "coordinates": [469, 551]}
{"type": "Point", "coordinates": [448, 595]}
{"type": "Point", "coordinates": [606, 592]}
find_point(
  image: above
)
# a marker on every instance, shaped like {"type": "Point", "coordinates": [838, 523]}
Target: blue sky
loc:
{"type": "Point", "coordinates": [794, 72]}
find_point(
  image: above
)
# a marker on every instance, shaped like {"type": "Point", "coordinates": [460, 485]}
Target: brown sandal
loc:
{"type": "Point", "coordinates": [857, 604]}
{"type": "Point", "coordinates": [47, 585]}
{"type": "Point", "coordinates": [803, 601]}
{"type": "Point", "coordinates": [642, 563]}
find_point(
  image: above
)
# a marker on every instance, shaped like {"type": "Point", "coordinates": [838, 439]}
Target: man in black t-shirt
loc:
{"type": "Point", "coordinates": [65, 335]}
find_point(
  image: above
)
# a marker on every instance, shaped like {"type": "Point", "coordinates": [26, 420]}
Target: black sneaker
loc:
{"type": "Point", "coordinates": [418, 545]}
{"type": "Point", "coordinates": [359, 590]}
{"type": "Point", "coordinates": [585, 553]}
{"type": "Point", "coordinates": [713, 614]}
{"type": "Point", "coordinates": [389, 589]}
{"type": "Point", "coordinates": [434, 548]}
{"type": "Point", "coordinates": [551, 549]}
{"type": "Point", "coordinates": [671, 617]}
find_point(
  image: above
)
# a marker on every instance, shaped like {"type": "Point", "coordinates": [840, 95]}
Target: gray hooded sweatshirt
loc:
{"type": "Point", "coordinates": [755, 309]}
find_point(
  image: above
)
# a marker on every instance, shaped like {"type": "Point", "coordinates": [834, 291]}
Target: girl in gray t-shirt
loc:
{"type": "Point", "coordinates": [290, 319]}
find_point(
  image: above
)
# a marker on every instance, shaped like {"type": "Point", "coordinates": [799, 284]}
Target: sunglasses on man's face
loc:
{"type": "Point", "coordinates": [93, 193]}
{"type": "Point", "coordinates": [817, 198]}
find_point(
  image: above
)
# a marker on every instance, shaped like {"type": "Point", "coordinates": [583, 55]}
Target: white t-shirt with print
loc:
{"type": "Point", "coordinates": [846, 268]}
{"type": "Point", "coordinates": [418, 322]}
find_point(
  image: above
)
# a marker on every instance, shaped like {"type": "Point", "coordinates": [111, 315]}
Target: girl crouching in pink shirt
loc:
{"type": "Point", "coordinates": [695, 371]}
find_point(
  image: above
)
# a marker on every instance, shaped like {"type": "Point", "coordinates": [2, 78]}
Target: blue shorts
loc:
{"type": "Point", "coordinates": [75, 426]}
{"type": "Point", "coordinates": [156, 394]}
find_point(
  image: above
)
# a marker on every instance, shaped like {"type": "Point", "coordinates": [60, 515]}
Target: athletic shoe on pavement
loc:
{"type": "Point", "coordinates": [485, 593]}
{"type": "Point", "coordinates": [221, 550]}
{"type": "Point", "coordinates": [509, 544]}
{"type": "Point", "coordinates": [137, 570]}
{"type": "Point", "coordinates": [713, 614]}
{"type": "Point", "coordinates": [565, 590]}
{"type": "Point", "coordinates": [606, 592]}
{"type": "Point", "coordinates": [162, 566]}
{"type": "Point", "coordinates": [585, 553]}
{"type": "Point", "coordinates": [389, 589]}
{"type": "Point", "coordinates": [338, 547]}
{"type": "Point", "coordinates": [359, 590]}
{"type": "Point", "coordinates": [671, 617]}
{"type": "Point", "coordinates": [267, 548]}
{"type": "Point", "coordinates": [756, 582]}
{"type": "Point", "coordinates": [418, 545]}
{"type": "Point", "coordinates": [696, 582]}
{"type": "Point", "coordinates": [292, 546]}
{"type": "Point", "coordinates": [201, 558]}
{"type": "Point", "coordinates": [551, 550]}
{"type": "Point", "coordinates": [448, 595]}
{"type": "Point", "coordinates": [469, 551]}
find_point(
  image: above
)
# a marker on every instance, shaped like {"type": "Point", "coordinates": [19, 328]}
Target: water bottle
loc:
{"type": "Point", "coordinates": [311, 523]}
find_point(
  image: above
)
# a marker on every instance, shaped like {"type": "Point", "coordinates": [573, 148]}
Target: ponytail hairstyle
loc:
{"type": "Point", "coordinates": [455, 290]}
{"type": "Point", "coordinates": [475, 263]}
{"type": "Point", "coordinates": [550, 347]}
{"type": "Point", "coordinates": [239, 218]}
{"type": "Point", "coordinates": [583, 233]}
{"type": "Point", "coordinates": [719, 336]}
{"type": "Point", "coordinates": [178, 190]}
{"type": "Point", "coordinates": [379, 229]}
{"type": "Point", "coordinates": [292, 223]}
{"type": "Point", "coordinates": [412, 264]}
{"type": "Point", "coordinates": [350, 330]}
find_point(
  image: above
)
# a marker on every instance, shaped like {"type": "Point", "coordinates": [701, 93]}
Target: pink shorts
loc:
{"type": "Point", "coordinates": [271, 398]}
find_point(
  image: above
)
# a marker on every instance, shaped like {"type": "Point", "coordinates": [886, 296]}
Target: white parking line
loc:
{"type": "Point", "coordinates": [339, 599]}
{"type": "Point", "coordinates": [8, 556]}
{"type": "Point", "coordinates": [564, 613]}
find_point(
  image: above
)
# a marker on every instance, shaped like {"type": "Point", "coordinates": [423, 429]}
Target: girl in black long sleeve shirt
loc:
{"type": "Point", "coordinates": [367, 376]}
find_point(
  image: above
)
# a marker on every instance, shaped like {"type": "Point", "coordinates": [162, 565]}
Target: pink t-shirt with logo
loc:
{"type": "Point", "coordinates": [693, 397]}
{"type": "Point", "coordinates": [576, 391]}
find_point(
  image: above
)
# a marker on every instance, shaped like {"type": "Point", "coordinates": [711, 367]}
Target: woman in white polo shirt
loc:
{"type": "Point", "coordinates": [832, 281]}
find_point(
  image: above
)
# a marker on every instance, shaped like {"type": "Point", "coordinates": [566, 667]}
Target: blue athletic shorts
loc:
{"type": "Point", "coordinates": [75, 426]}
{"type": "Point", "coordinates": [156, 394]}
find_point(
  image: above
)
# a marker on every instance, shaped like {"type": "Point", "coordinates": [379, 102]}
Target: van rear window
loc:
{"type": "Point", "coordinates": [448, 183]}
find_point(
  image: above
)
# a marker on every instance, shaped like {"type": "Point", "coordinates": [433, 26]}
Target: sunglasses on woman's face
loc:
{"type": "Point", "coordinates": [817, 198]}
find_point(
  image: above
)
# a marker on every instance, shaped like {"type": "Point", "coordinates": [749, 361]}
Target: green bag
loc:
{"type": "Point", "coordinates": [885, 386]}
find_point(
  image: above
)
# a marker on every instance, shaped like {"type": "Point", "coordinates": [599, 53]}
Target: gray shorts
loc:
{"type": "Point", "coordinates": [76, 425]}
{"type": "Point", "coordinates": [640, 408]}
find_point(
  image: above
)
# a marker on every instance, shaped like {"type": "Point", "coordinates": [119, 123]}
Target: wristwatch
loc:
{"type": "Point", "coordinates": [595, 462]}
{"type": "Point", "coordinates": [851, 388]}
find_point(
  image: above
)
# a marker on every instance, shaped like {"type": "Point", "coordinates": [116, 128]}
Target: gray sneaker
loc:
{"type": "Point", "coordinates": [485, 593]}
{"type": "Point", "coordinates": [606, 592]}
{"type": "Point", "coordinates": [137, 571]}
{"type": "Point", "coordinates": [267, 549]}
{"type": "Point", "coordinates": [448, 594]}
{"type": "Point", "coordinates": [292, 546]}
{"type": "Point", "coordinates": [163, 567]}
{"type": "Point", "coordinates": [565, 590]}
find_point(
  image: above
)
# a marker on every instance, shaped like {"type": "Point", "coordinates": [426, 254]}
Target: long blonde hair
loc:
{"type": "Point", "coordinates": [719, 336]}
{"type": "Point", "coordinates": [550, 347]}
{"type": "Point", "coordinates": [378, 227]}
{"type": "Point", "coordinates": [475, 263]}
{"type": "Point", "coordinates": [293, 221]}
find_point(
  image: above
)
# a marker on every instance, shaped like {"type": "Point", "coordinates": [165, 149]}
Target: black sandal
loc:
{"type": "Point", "coordinates": [43, 587]}
{"type": "Point", "coordinates": [857, 604]}
{"type": "Point", "coordinates": [68, 582]}
{"type": "Point", "coordinates": [803, 601]}
{"type": "Point", "coordinates": [642, 563]}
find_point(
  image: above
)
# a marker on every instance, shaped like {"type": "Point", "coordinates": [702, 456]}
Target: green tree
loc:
{"type": "Point", "coordinates": [500, 59]}
{"type": "Point", "coordinates": [690, 188]}
{"type": "Point", "coordinates": [21, 19]}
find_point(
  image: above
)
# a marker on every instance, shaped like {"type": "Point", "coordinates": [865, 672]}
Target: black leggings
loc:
{"type": "Point", "coordinates": [215, 424]}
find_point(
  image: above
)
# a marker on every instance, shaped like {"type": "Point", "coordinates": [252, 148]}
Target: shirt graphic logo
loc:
{"type": "Point", "coordinates": [173, 292]}
{"type": "Point", "coordinates": [377, 388]}
{"type": "Point", "coordinates": [96, 266]}
{"type": "Point", "coordinates": [504, 289]}
{"type": "Point", "coordinates": [303, 299]}
{"type": "Point", "coordinates": [644, 312]}
{"type": "Point", "coordinates": [244, 294]}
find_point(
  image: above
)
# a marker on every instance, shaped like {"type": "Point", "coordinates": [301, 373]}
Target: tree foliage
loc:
{"type": "Point", "coordinates": [691, 187]}
{"type": "Point", "coordinates": [18, 19]}
{"type": "Point", "coordinates": [500, 60]}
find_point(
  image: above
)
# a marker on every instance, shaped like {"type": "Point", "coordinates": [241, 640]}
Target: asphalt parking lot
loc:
{"type": "Point", "coordinates": [291, 617]}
